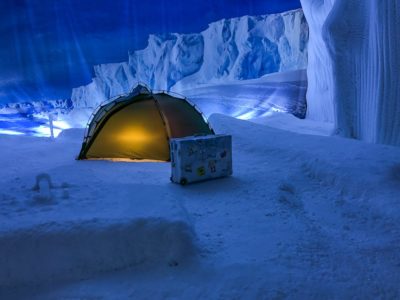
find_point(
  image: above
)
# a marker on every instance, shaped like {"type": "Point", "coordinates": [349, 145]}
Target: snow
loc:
{"type": "Point", "coordinates": [61, 221]}
{"type": "Point", "coordinates": [354, 67]}
{"type": "Point", "coordinates": [303, 216]}
{"type": "Point", "coordinates": [248, 99]}
{"type": "Point", "coordinates": [230, 49]}
{"type": "Point", "coordinates": [291, 123]}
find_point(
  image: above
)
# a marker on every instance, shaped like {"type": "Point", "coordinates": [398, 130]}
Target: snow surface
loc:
{"type": "Point", "coordinates": [291, 123]}
{"type": "Point", "coordinates": [60, 221]}
{"type": "Point", "coordinates": [230, 49]}
{"type": "Point", "coordinates": [354, 67]}
{"type": "Point", "coordinates": [303, 216]}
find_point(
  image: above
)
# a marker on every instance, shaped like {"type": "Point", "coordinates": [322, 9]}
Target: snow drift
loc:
{"type": "Point", "coordinates": [254, 98]}
{"type": "Point", "coordinates": [354, 67]}
{"type": "Point", "coordinates": [230, 49]}
{"type": "Point", "coordinates": [78, 249]}
{"type": "Point", "coordinates": [62, 219]}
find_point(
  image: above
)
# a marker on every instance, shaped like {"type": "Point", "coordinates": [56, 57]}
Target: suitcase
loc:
{"type": "Point", "coordinates": [198, 158]}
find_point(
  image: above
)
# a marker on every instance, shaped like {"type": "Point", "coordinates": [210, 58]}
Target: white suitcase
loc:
{"type": "Point", "coordinates": [198, 158]}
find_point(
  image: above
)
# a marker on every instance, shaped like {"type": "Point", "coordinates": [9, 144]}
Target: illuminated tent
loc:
{"type": "Point", "coordinates": [139, 125]}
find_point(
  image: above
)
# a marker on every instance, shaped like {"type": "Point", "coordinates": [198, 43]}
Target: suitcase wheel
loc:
{"type": "Point", "coordinates": [183, 181]}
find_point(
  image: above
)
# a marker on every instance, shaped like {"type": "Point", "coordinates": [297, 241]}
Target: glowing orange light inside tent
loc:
{"type": "Point", "coordinates": [135, 135]}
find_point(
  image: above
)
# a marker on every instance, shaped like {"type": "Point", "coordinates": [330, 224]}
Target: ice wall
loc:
{"type": "Point", "coordinates": [230, 49]}
{"type": "Point", "coordinates": [319, 69]}
{"type": "Point", "coordinates": [354, 67]}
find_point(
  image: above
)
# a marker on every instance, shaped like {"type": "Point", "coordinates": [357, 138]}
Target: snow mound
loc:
{"type": "Point", "coordinates": [231, 49]}
{"type": "Point", "coordinates": [72, 133]}
{"type": "Point", "coordinates": [75, 250]}
{"type": "Point", "coordinates": [289, 122]}
{"type": "Point", "coordinates": [64, 219]}
{"type": "Point", "coordinates": [254, 98]}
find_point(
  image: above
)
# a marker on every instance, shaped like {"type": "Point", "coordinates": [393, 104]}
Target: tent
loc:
{"type": "Point", "coordinates": [138, 126]}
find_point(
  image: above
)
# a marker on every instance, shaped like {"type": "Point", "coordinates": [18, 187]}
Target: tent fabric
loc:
{"type": "Point", "coordinates": [139, 125]}
{"type": "Point", "coordinates": [182, 119]}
